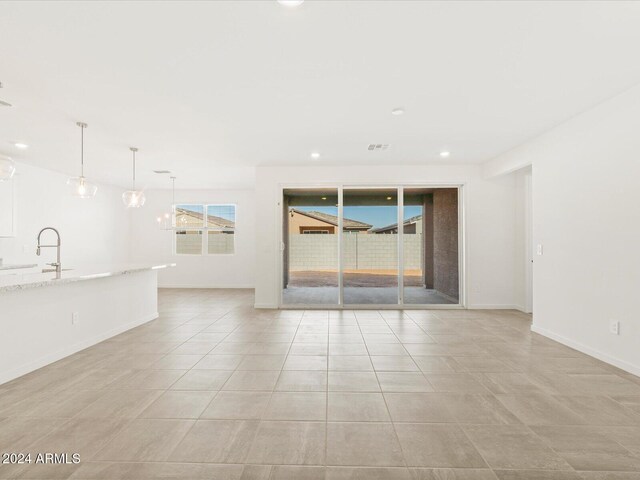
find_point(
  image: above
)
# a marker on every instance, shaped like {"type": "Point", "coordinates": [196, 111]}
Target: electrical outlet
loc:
{"type": "Point", "coordinates": [539, 250]}
{"type": "Point", "coordinates": [75, 318]}
{"type": "Point", "coordinates": [614, 327]}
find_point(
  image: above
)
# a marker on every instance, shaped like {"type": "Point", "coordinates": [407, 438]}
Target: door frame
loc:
{"type": "Point", "coordinates": [340, 186]}
{"type": "Point", "coordinates": [528, 233]}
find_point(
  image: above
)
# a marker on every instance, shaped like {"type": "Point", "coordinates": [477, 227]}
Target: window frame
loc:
{"type": "Point", "coordinates": [204, 229]}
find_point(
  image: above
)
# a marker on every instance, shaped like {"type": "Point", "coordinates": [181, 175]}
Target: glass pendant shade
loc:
{"type": "Point", "coordinates": [82, 188]}
{"type": "Point", "coordinates": [7, 168]}
{"type": "Point", "coordinates": [133, 198]}
{"type": "Point", "coordinates": [164, 222]}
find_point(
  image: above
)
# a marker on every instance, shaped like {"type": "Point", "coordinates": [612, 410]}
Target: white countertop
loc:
{"type": "Point", "coordinates": [8, 266]}
{"type": "Point", "coordinates": [22, 281]}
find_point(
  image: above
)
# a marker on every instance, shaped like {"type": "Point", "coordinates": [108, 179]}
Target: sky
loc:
{"type": "Point", "coordinates": [376, 216]}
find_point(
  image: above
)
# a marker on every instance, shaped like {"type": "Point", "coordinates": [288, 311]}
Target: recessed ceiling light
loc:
{"type": "Point", "coordinates": [445, 154]}
{"type": "Point", "coordinates": [21, 145]}
{"type": "Point", "coordinates": [315, 155]}
{"type": "Point", "coordinates": [291, 3]}
{"type": "Point", "coordinates": [324, 198]}
{"type": "Point", "coordinates": [397, 111]}
{"type": "Point", "coordinates": [389, 198]}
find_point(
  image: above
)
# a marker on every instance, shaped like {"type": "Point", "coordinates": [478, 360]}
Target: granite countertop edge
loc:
{"type": "Point", "coordinates": [25, 281]}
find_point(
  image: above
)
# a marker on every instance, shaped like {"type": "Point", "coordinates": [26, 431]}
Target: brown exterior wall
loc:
{"type": "Point", "coordinates": [285, 240]}
{"type": "Point", "coordinates": [427, 235]}
{"type": "Point", "coordinates": [445, 241]}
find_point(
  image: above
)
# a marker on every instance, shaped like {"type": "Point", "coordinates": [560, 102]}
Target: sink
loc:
{"type": "Point", "coordinates": [53, 270]}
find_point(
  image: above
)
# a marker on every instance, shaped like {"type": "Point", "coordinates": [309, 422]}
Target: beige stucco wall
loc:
{"type": "Point", "coordinates": [297, 221]}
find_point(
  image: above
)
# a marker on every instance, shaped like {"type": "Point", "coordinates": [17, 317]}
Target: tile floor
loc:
{"type": "Point", "coordinates": [214, 389]}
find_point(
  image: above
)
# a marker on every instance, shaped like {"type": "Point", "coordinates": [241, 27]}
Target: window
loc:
{"type": "Point", "coordinates": [205, 229]}
{"type": "Point", "coordinates": [189, 242]}
{"type": "Point", "coordinates": [315, 232]}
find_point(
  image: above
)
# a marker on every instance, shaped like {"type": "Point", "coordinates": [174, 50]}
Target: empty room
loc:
{"type": "Point", "coordinates": [319, 240]}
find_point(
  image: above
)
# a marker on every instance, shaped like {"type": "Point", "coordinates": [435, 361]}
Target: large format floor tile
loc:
{"type": "Point", "coordinates": [363, 444]}
{"type": "Point", "coordinates": [215, 389]}
{"type": "Point", "coordinates": [357, 407]}
{"type": "Point", "coordinates": [297, 406]}
{"type": "Point", "coordinates": [238, 405]}
{"type": "Point", "coordinates": [85, 436]}
{"type": "Point", "coordinates": [290, 443]}
{"type": "Point", "coordinates": [418, 407]}
{"type": "Point", "coordinates": [216, 441]}
{"type": "Point", "coordinates": [514, 447]}
{"type": "Point", "coordinates": [588, 448]}
{"type": "Point", "coordinates": [430, 445]}
{"type": "Point", "coordinates": [145, 440]}
{"type": "Point", "coordinates": [178, 404]}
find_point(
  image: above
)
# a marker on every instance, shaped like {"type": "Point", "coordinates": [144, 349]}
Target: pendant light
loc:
{"type": "Point", "coordinates": [80, 186]}
{"type": "Point", "coordinates": [7, 168]}
{"type": "Point", "coordinates": [166, 221]}
{"type": "Point", "coordinates": [133, 198]}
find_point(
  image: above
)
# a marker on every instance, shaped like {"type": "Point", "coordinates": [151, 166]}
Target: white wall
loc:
{"type": "Point", "coordinates": [93, 231]}
{"type": "Point", "coordinates": [586, 214]}
{"type": "Point", "coordinates": [490, 222]}
{"type": "Point", "coordinates": [151, 244]}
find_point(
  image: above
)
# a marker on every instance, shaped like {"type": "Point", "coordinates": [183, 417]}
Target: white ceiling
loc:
{"type": "Point", "coordinates": [210, 90]}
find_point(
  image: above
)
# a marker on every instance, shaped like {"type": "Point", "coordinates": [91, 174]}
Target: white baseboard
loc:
{"type": "Point", "coordinates": [223, 287]}
{"type": "Point", "coordinates": [70, 350]}
{"type": "Point", "coordinates": [605, 357]}
{"type": "Point", "coordinates": [265, 305]}
{"type": "Point", "coordinates": [497, 306]}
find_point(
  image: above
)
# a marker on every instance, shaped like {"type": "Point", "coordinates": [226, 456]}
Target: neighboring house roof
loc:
{"type": "Point", "coordinates": [394, 226]}
{"type": "Point", "coordinates": [212, 220]}
{"type": "Point", "coordinates": [333, 220]}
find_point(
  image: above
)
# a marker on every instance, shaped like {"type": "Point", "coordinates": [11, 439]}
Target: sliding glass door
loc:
{"type": "Point", "coordinates": [430, 246]}
{"type": "Point", "coordinates": [310, 247]}
{"type": "Point", "coordinates": [367, 246]}
{"type": "Point", "coordinates": [370, 246]}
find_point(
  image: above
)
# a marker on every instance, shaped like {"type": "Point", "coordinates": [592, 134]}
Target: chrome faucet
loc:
{"type": "Point", "coordinates": [57, 264]}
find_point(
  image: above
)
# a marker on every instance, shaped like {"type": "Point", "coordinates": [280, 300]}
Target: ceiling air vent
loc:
{"type": "Point", "coordinates": [161, 171]}
{"type": "Point", "coordinates": [377, 146]}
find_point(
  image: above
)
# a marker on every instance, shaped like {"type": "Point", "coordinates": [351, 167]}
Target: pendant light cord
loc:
{"type": "Point", "coordinates": [82, 126]}
{"type": "Point", "coordinates": [134, 150]}
{"type": "Point", "coordinates": [134, 170]}
{"type": "Point", "coordinates": [82, 151]}
{"type": "Point", "coordinates": [173, 199]}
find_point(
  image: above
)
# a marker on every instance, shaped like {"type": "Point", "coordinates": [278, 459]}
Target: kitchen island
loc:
{"type": "Point", "coordinates": [47, 316]}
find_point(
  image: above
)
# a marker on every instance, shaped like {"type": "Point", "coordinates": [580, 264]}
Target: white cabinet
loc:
{"type": "Point", "coordinates": [8, 208]}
